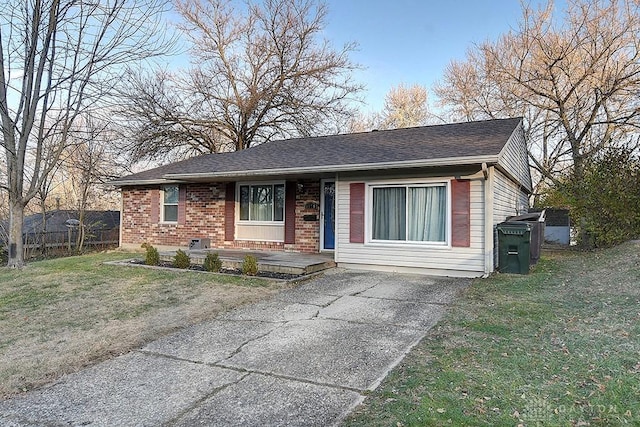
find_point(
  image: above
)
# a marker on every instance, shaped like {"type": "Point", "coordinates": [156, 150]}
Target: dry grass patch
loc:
{"type": "Point", "coordinates": [58, 316]}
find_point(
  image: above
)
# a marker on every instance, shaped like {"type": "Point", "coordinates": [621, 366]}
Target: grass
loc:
{"type": "Point", "coordinates": [60, 315]}
{"type": "Point", "coordinates": [558, 347]}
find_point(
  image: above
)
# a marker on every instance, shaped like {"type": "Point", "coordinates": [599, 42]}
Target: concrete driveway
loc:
{"type": "Point", "coordinates": [302, 358]}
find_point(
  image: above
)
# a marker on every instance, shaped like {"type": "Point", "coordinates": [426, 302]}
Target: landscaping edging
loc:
{"type": "Point", "coordinates": [264, 275]}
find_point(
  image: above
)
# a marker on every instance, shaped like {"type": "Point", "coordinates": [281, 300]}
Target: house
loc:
{"type": "Point", "coordinates": [423, 199]}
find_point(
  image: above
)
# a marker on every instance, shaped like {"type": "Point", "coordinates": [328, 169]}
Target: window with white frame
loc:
{"type": "Point", "coordinates": [262, 202]}
{"type": "Point", "coordinates": [409, 213]}
{"type": "Point", "coordinates": [170, 203]}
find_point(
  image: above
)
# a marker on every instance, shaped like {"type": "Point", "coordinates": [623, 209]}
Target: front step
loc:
{"type": "Point", "coordinates": [273, 267]}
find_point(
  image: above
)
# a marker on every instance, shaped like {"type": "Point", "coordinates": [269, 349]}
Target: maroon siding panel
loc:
{"type": "Point", "coordinates": [460, 213]}
{"type": "Point", "coordinates": [182, 205]}
{"type": "Point", "coordinates": [356, 212]}
{"type": "Point", "coordinates": [155, 206]}
{"type": "Point", "coordinates": [290, 213]}
{"type": "Point", "coordinates": [230, 211]}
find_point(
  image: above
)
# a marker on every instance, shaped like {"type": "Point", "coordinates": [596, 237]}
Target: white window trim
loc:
{"type": "Point", "coordinates": [265, 223]}
{"type": "Point", "coordinates": [162, 205]}
{"type": "Point", "coordinates": [369, 241]}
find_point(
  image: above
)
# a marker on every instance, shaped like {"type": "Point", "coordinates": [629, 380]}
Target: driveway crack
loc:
{"type": "Point", "coordinates": [250, 340]}
{"type": "Point", "coordinates": [198, 402]}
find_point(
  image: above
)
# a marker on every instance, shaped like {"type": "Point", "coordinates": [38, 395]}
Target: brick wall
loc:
{"type": "Point", "coordinates": [204, 208]}
{"type": "Point", "coordinates": [307, 203]}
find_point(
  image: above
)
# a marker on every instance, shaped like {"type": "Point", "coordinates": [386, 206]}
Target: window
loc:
{"type": "Point", "coordinates": [413, 213]}
{"type": "Point", "coordinates": [262, 202]}
{"type": "Point", "coordinates": [170, 203]}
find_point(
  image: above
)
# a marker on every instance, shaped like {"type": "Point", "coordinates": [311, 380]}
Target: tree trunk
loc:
{"type": "Point", "coordinates": [15, 248]}
{"type": "Point", "coordinates": [80, 237]}
{"type": "Point", "coordinates": [43, 234]}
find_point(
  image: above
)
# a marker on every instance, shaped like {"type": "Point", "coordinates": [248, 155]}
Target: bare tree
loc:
{"type": "Point", "coordinates": [59, 58]}
{"type": "Point", "coordinates": [86, 166]}
{"type": "Point", "coordinates": [405, 106]}
{"type": "Point", "coordinates": [259, 72]}
{"type": "Point", "coordinates": [362, 122]}
{"type": "Point", "coordinates": [576, 81]}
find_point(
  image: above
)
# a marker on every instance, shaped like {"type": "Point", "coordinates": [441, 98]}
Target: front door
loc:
{"type": "Point", "coordinates": [328, 215]}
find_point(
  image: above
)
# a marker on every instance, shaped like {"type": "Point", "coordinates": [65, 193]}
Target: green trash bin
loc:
{"type": "Point", "coordinates": [514, 247]}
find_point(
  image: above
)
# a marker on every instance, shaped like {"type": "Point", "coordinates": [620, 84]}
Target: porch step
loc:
{"type": "Point", "coordinates": [275, 262]}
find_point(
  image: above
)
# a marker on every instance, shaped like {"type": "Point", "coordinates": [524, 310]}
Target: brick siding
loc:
{"type": "Point", "coordinates": [204, 218]}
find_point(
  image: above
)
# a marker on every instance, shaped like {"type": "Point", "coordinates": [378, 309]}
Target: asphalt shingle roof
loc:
{"type": "Point", "coordinates": [468, 140]}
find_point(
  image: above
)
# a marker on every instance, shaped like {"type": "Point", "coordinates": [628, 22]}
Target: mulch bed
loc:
{"type": "Point", "coordinates": [230, 271]}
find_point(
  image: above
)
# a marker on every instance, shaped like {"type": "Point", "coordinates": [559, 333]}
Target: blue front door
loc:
{"type": "Point", "coordinates": [329, 211]}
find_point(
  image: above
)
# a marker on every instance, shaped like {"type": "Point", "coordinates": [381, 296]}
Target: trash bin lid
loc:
{"type": "Point", "coordinates": [529, 217]}
{"type": "Point", "coordinates": [514, 228]}
{"type": "Point", "coordinates": [514, 231]}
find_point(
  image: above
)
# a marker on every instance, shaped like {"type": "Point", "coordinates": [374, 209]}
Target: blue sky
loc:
{"type": "Point", "coordinates": [412, 41]}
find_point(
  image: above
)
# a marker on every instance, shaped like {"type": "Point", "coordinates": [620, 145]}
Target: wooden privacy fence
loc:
{"type": "Point", "coordinates": [60, 240]}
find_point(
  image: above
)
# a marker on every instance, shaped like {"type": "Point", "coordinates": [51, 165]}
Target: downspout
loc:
{"type": "Point", "coordinates": [489, 244]}
{"type": "Point", "coordinates": [121, 218]}
{"type": "Point", "coordinates": [336, 247]}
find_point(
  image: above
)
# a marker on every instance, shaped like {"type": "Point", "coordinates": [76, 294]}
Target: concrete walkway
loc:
{"type": "Point", "coordinates": [302, 358]}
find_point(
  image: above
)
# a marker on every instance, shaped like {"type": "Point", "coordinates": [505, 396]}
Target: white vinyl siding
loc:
{"type": "Point", "coordinates": [263, 232]}
{"type": "Point", "coordinates": [514, 159]}
{"type": "Point", "coordinates": [508, 199]}
{"type": "Point", "coordinates": [444, 260]}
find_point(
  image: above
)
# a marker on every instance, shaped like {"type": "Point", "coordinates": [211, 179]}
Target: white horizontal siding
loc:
{"type": "Point", "coordinates": [514, 158]}
{"type": "Point", "coordinates": [508, 198]}
{"type": "Point", "coordinates": [439, 260]}
{"type": "Point", "coordinates": [262, 232]}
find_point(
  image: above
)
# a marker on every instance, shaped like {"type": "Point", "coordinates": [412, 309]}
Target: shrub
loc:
{"type": "Point", "coordinates": [181, 259]}
{"type": "Point", "coordinates": [607, 199]}
{"type": "Point", "coordinates": [152, 257]}
{"type": "Point", "coordinates": [250, 265]}
{"type": "Point", "coordinates": [212, 262]}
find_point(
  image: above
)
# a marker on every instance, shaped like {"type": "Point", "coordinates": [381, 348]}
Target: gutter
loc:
{"type": "Point", "coordinates": [450, 161]}
{"type": "Point", "coordinates": [156, 181]}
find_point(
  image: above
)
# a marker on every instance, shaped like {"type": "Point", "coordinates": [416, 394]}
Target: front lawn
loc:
{"type": "Point", "coordinates": [60, 315]}
{"type": "Point", "coordinates": [558, 347]}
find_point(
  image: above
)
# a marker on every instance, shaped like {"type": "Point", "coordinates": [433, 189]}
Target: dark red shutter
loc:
{"type": "Point", "coordinates": [460, 213]}
{"type": "Point", "coordinates": [230, 211]}
{"type": "Point", "coordinates": [155, 205]}
{"type": "Point", "coordinates": [182, 204]}
{"type": "Point", "coordinates": [356, 212]}
{"type": "Point", "coordinates": [290, 213]}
